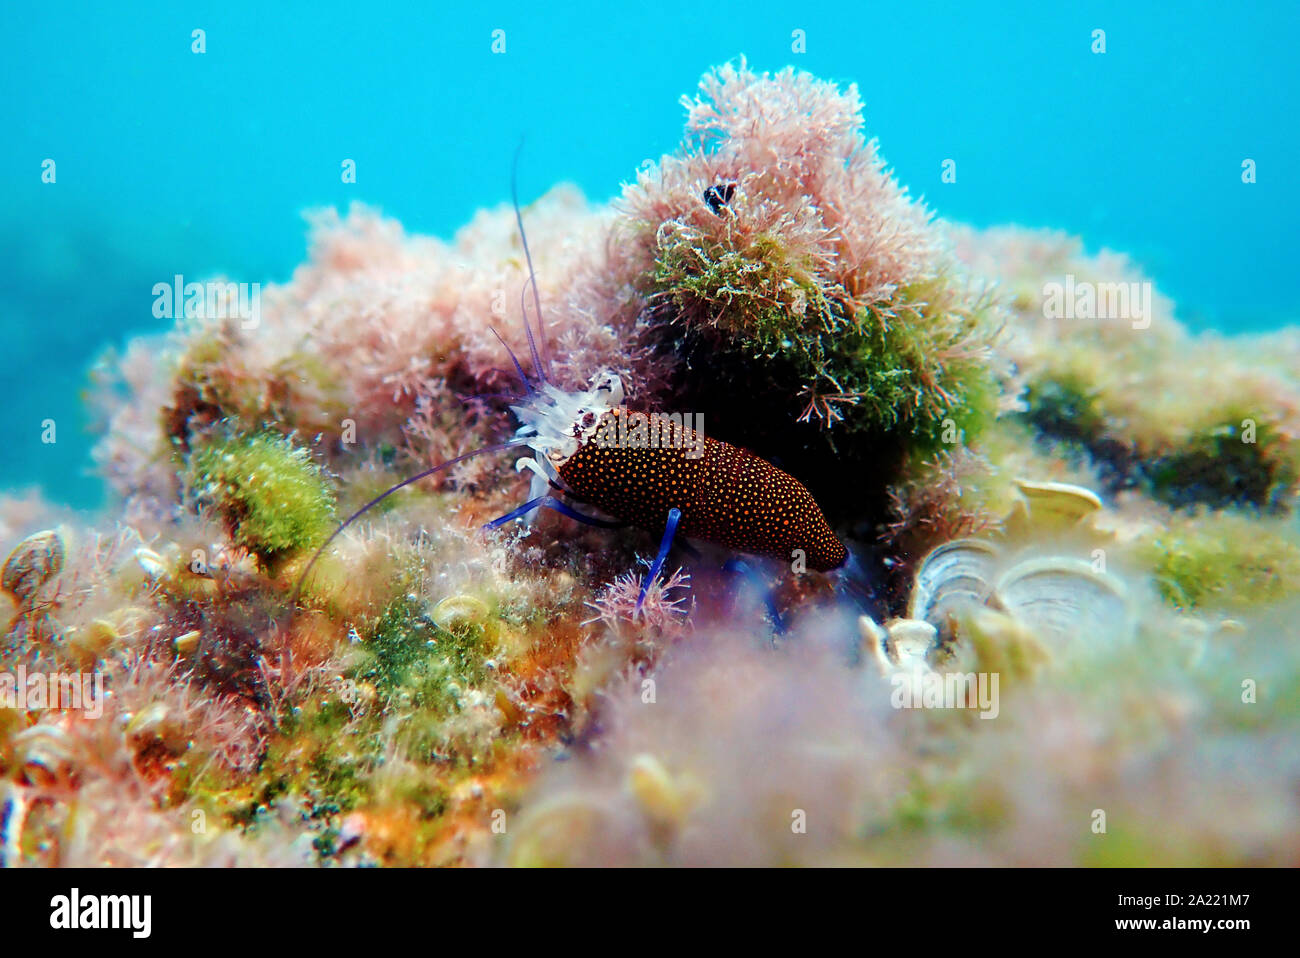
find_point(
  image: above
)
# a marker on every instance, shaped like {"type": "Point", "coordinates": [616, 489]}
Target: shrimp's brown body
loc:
{"type": "Point", "coordinates": [727, 495]}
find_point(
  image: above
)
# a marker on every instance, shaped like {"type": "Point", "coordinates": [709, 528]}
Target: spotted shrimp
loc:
{"type": "Point", "coordinates": [588, 451]}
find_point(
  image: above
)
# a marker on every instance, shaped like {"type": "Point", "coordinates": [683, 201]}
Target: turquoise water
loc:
{"type": "Point", "coordinates": [172, 162]}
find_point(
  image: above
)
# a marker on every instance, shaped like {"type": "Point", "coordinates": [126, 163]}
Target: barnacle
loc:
{"type": "Point", "coordinates": [48, 756]}
{"type": "Point", "coordinates": [32, 563]}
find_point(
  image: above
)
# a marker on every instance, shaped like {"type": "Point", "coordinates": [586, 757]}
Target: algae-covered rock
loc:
{"type": "Point", "coordinates": [274, 499]}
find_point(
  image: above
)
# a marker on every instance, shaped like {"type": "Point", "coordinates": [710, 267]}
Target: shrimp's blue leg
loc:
{"type": "Point", "coordinates": [551, 503]}
{"type": "Point", "coordinates": [750, 574]}
{"type": "Point", "coordinates": [670, 530]}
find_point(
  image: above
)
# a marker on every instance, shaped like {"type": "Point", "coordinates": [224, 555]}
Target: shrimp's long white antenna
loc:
{"type": "Point", "coordinates": [543, 363]}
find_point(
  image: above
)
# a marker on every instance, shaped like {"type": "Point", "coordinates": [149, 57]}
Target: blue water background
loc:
{"type": "Point", "coordinates": [170, 162]}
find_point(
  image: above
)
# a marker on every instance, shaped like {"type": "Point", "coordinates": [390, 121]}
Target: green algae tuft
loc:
{"type": "Point", "coordinates": [1227, 561]}
{"type": "Point", "coordinates": [273, 498]}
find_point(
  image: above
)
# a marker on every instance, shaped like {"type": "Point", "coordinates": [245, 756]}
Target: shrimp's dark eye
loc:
{"type": "Point", "coordinates": [588, 420]}
{"type": "Point", "coordinates": [719, 196]}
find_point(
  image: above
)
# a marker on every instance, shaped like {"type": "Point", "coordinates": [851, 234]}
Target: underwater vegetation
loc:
{"type": "Point", "coordinates": [1089, 510]}
{"type": "Point", "coordinates": [270, 494]}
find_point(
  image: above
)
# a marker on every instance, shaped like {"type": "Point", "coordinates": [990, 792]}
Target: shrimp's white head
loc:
{"type": "Point", "coordinates": [557, 424]}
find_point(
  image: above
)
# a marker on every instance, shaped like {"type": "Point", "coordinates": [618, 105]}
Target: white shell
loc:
{"type": "Point", "coordinates": [1059, 503]}
{"type": "Point", "coordinates": [950, 576]}
{"type": "Point", "coordinates": [910, 642]}
{"type": "Point", "coordinates": [899, 644]}
{"type": "Point", "coordinates": [873, 644]}
{"type": "Point", "coordinates": [1064, 599]}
